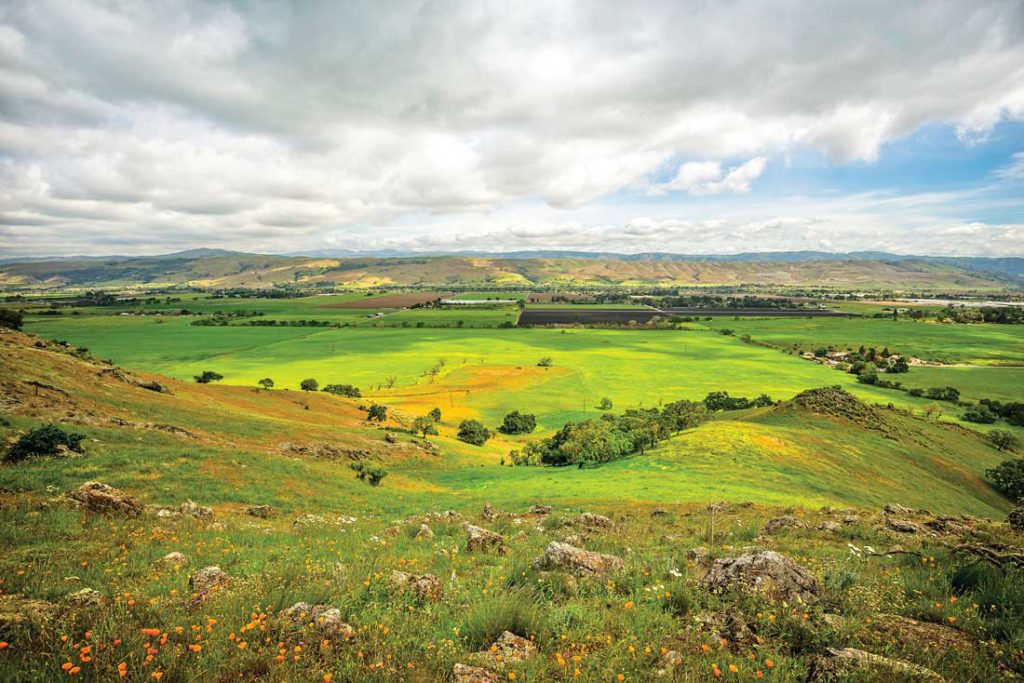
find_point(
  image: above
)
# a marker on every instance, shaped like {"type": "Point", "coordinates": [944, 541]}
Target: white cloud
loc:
{"type": "Point", "coordinates": [156, 125]}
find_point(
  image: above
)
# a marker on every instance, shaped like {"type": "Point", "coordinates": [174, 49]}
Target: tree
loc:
{"type": "Point", "coordinates": [1008, 477]}
{"type": "Point", "coordinates": [377, 413]}
{"type": "Point", "coordinates": [473, 431]}
{"type": "Point", "coordinates": [424, 425]}
{"type": "Point", "coordinates": [899, 365]}
{"type": "Point", "coordinates": [343, 390]}
{"type": "Point", "coordinates": [370, 473]}
{"type": "Point", "coordinates": [46, 440]}
{"type": "Point", "coordinates": [1004, 440]}
{"type": "Point", "coordinates": [518, 423]}
{"type": "Point", "coordinates": [266, 383]}
{"type": "Point", "coordinates": [545, 362]}
{"type": "Point", "coordinates": [435, 414]}
{"type": "Point", "coordinates": [309, 384]}
{"type": "Point", "coordinates": [208, 376]}
{"type": "Point", "coordinates": [605, 404]}
{"type": "Point", "coordinates": [980, 415]}
{"type": "Point", "coordinates": [11, 318]}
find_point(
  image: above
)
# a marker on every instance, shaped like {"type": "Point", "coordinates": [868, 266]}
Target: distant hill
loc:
{"type": "Point", "coordinates": [214, 268]}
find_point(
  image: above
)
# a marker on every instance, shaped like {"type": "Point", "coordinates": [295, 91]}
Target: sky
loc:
{"type": "Point", "coordinates": [688, 127]}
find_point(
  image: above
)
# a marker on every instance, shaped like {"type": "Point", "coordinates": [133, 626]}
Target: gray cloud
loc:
{"type": "Point", "coordinates": [190, 122]}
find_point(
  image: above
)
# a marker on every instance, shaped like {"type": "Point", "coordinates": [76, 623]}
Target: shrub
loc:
{"type": "Point", "coordinates": [370, 473]}
{"type": "Point", "coordinates": [377, 413]}
{"type": "Point", "coordinates": [545, 362]}
{"type": "Point", "coordinates": [343, 390]}
{"type": "Point", "coordinates": [45, 440]}
{"type": "Point", "coordinates": [1008, 477]}
{"type": "Point", "coordinates": [309, 384]}
{"type": "Point", "coordinates": [208, 376]}
{"type": "Point", "coordinates": [474, 432]}
{"type": "Point", "coordinates": [605, 404]}
{"type": "Point", "coordinates": [11, 318]}
{"type": "Point", "coordinates": [518, 423]}
{"type": "Point", "coordinates": [424, 425]}
{"type": "Point", "coordinates": [1004, 440]}
{"type": "Point", "coordinates": [435, 414]}
{"type": "Point", "coordinates": [980, 415]}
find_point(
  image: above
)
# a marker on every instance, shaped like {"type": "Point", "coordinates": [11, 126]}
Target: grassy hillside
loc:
{"type": "Point", "coordinates": [256, 271]}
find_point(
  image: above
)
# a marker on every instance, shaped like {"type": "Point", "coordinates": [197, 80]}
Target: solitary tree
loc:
{"type": "Point", "coordinates": [518, 423]}
{"type": "Point", "coordinates": [1004, 440]}
{"type": "Point", "coordinates": [473, 431]}
{"type": "Point", "coordinates": [266, 383]}
{"type": "Point", "coordinates": [424, 425]}
{"type": "Point", "coordinates": [606, 404]}
{"type": "Point", "coordinates": [377, 413]}
{"type": "Point", "coordinates": [309, 384]}
{"type": "Point", "coordinates": [208, 376]}
{"type": "Point", "coordinates": [435, 414]}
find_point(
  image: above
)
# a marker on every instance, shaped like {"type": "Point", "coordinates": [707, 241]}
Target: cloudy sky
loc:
{"type": "Point", "coordinates": [694, 127]}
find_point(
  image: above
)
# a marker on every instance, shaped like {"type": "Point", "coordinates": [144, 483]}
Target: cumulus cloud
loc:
{"type": "Point", "coordinates": [273, 125]}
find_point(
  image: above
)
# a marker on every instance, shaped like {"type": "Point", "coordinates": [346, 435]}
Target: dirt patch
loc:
{"type": "Point", "coordinates": [390, 300]}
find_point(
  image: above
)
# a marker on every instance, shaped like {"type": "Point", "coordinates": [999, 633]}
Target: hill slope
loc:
{"type": "Point", "coordinates": [211, 269]}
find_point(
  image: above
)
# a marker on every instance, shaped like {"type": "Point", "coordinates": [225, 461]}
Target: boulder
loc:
{"type": "Point", "coordinates": [894, 509]}
{"type": "Point", "coordinates": [482, 540]}
{"type": "Point", "coordinates": [777, 576]}
{"type": "Point", "coordinates": [97, 497]}
{"type": "Point", "coordinates": [207, 580]}
{"type": "Point", "coordinates": [18, 612]}
{"type": "Point", "coordinates": [507, 649]}
{"type": "Point", "coordinates": [591, 521]}
{"type": "Point", "coordinates": [540, 510]}
{"type": "Point", "coordinates": [191, 509]}
{"type": "Point", "coordinates": [489, 513]}
{"type": "Point", "coordinates": [829, 525]}
{"type": "Point", "coordinates": [698, 554]}
{"type": "Point", "coordinates": [903, 526]}
{"type": "Point", "coordinates": [774, 526]}
{"type": "Point", "coordinates": [562, 556]}
{"type": "Point", "coordinates": [424, 533]}
{"type": "Point", "coordinates": [174, 559]}
{"type": "Point", "coordinates": [463, 673]}
{"type": "Point", "coordinates": [324, 620]}
{"type": "Point", "coordinates": [85, 599]}
{"type": "Point", "coordinates": [1016, 519]}
{"type": "Point", "coordinates": [953, 526]}
{"type": "Point", "coordinates": [426, 587]}
{"type": "Point", "coordinates": [260, 511]}
{"type": "Point", "coordinates": [918, 636]}
{"type": "Point", "coordinates": [659, 512]}
{"type": "Point", "coordinates": [851, 519]}
{"type": "Point", "coordinates": [840, 665]}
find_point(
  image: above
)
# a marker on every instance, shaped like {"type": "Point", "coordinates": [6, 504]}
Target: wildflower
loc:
{"type": "Point", "coordinates": [74, 670]}
{"type": "Point", "coordinates": [328, 677]}
{"type": "Point", "coordinates": [769, 663]}
{"type": "Point", "coordinates": [715, 670]}
{"type": "Point", "coordinates": [629, 605]}
{"type": "Point", "coordinates": [759, 674]}
{"type": "Point", "coordinates": [733, 669]}
{"type": "Point", "coordinates": [620, 677]}
{"type": "Point", "coordinates": [4, 644]}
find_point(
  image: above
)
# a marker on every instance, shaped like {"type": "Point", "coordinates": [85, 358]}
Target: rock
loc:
{"type": "Point", "coordinates": [426, 587]}
{"type": "Point", "coordinates": [829, 525]}
{"type": "Point", "coordinates": [903, 526]}
{"type": "Point", "coordinates": [851, 519]}
{"type": "Point", "coordinates": [86, 598]}
{"type": "Point", "coordinates": [918, 636]}
{"type": "Point", "coordinates": [698, 554]}
{"type": "Point", "coordinates": [659, 512]}
{"type": "Point", "coordinates": [207, 580]}
{"type": "Point", "coordinates": [174, 559]}
{"type": "Point", "coordinates": [573, 539]}
{"type": "Point", "coordinates": [322, 619]}
{"type": "Point", "coordinates": [579, 562]}
{"type": "Point", "coordinates": [391, 437]}
{"type": "Point", "coordinates": [668, 662]}
{"type": "Point", "coordinates": [463, 673]}
{"type": "Point", "coordinates": [540, 510]}
{"type": "Point", "coordinates": [17, 611]}
{"type": "Point", "coordinates": [774, 526]}
{"type": "Point", "coordinates": [1016, 519]}
{"type": "Point", "coordinates": [592, 521]}
{"type": "Point", "coordinates": [767, 571]}
{"type": "Point", "coordinates": [953, 526]}
{"type": "Point", "coordinates": [310, 520]}
{"type": "Point", "coordinates": [482, 540]}
{"type": "Point", "coordinates": [260, 511]}
{"type": "Point", "coordinates": [424, 533]}
{"type": "Point", "coordinates": [488, 513]}
{"type": "Point", "coordinates": [893, 509]}
{"type": "Point", "coordinates": [839, 665]}
{"type": "Point", "coordinates": [190, 509]}
{"type": "Point", "coordinates": [97, 497]}
{"type": "Point", "coordinates": [507, 649]}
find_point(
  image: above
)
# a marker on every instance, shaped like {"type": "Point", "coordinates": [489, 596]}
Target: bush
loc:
{"type": "Point", "coordinates": [424, 425]}
{"type": "Point", "coordinates": [370, 473]}
{"type": "Point", "coordinates": [208, 376]}
{"type": "Point", "coordinates": [343, 390]}
{"type": "Point", "coordinates": [545, 362]}
{"type": "Point", "coordinates": [45, 440]}
{"type": "Point", "coordinates": [11, 318]}
{"type": "Point", "coordinates": [1003, 440]}
{"type": "Point", "coordinates": [1008, 477]}
{"type": "Point", "coordinates": [518, 423]}
{"type": "Point", "coordinates": [980, 415]}
{"type": "Point", "coordinates": [377, 413]}
{"type": "Point", "coordinates": [309, 384]}
{"type": "Point", "coordinates": [473, 431]}
{"type": "Point", "coordinates": [435, 414]}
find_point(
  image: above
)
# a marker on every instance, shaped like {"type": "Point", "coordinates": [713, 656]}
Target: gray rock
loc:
{"type": "Point", "coordinates": [839, 665]}
{"type": "Point", "coordinates": [174, 559]}
{"type": "Point", "coordinates": [86, 598]}
{"type": "Point", "coordinates": [426, 587]}
{"type": "Point", "coordinates": [323, 620]}
{"type": "Point", "coordinates": [482, 540]}
{"type": "Point", "coordinates": [562, 556]}
{"type": "Point", "coordinates": [774, 526]}
{"type": "Point", "coordinates": [260, 511]}
{"type": "Point", "coordinates": [776, 575]}
{"type": "Point", "coordinates": [207, 580]}
{"type": "Point", "coordinates": [97, 497]}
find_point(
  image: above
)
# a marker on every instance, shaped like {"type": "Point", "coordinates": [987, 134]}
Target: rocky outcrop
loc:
{"type": "Point", "coordinates": [903, 526]}
{"type": "Point", "coordinates": [174, 559]}
{"type": "Point", "coordinates": [186, 509]}
{"type": "Point", "coordinates": [489, 513]}
{"type": "Point", "coordinates": [562, 556]}
{"type": "Point", "coordinates": [894, 509]}
{"type": "Point", "coordinates": [463, 673]}
{"type": "Point", "coordinates": [774, 526]}
{"type": "Point", "coordinates": [260, 511]}
{"type": "Point", "coordinates": [1016, 519]}
{"type": "Point", "coordinates": [830, 526]}
{"type": "Point", "coordinates": [85, 599]}
{"type": "Point", "coordinates": [768, 572]}
{"type": "Point", "coordinates": [838, 665]}
{"type": "Point", "coordinates": [507, 649]}
{"type": "Point", "coordinates": [425, 587]}
{"type": "Point", "coordinates": [17, 612]}
{"type": "Point", "coordinates": [424, 533]}
{"type": "Point", "coordinates": [207, 580]}
{"type": "Point", "coordinates": [482, 540]}
{"type": "Point", "coordinates": [324, 620]}
{"type": "Point", "coordinates": [589, 520]}
{"type": "Point", "coordinates": [918, 636]}
{"type": "Point", "coordinates": [539, 510]}
{"type": "Point", "coordinates": [97, 497]}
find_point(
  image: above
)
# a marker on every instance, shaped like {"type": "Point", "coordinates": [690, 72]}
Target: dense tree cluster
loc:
{"type": "Point", "coordinates": [721, 400]}
{"type": "Point", "coordinates": [518, 423]}
{"type": "Point", "coordinates": [343, 390]}
{"type": "Point", "coordinates": [1003, 315]}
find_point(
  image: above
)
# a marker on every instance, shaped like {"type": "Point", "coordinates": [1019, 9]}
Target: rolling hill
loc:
{"type": "Point", "coordinates": [211, 269]}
